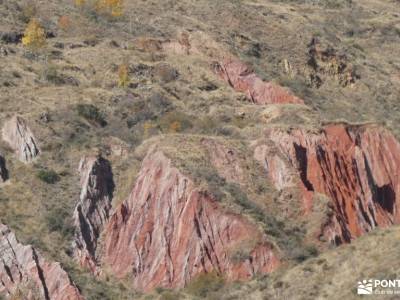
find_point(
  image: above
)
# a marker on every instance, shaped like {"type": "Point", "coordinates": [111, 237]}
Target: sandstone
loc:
{"type": "Point", "coordinates": [357, 167]}
{"type": "Point", "coordinates": [18, 135]}
{"type": "Point", "coordinates": [24, 271]}
{"type": "Point", "coordinates": [93, 209]}
{"type": "Point", "coordinates": [243, 79]}
{"type": "Point", "coordinates": [168, 231]}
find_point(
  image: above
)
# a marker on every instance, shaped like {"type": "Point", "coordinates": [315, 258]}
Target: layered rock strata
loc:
{"type": "Point", "coordinates": [23, 271]}
{"type": "Point", "coordinates": [241, 78]}
{"type": "Point", "coordinates": [93, 209]}
{"type": "Point", "coordinates": [167, 232]}
{"type": "Point", "coordinates": [357, 167]}
{"type": "Point", "coordinates": [21, 139]}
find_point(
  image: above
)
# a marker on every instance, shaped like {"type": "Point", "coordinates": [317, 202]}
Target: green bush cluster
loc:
{"type": "Point", "coordinates": [91, 113]}
{"type": "Point", "coordinates": [48, 176]}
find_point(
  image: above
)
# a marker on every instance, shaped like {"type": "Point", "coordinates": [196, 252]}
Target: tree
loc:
{"type": "Point", "coordinates": [80, 3]}
{"type": "Point", "coordinates": [111, 7]}
{"type": "Point", "coordinates": [123, 75]}
{"type": "Point", "coordinates": [34, 36]}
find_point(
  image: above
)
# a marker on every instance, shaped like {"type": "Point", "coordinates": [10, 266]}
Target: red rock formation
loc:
{"type": "Point", "coordinates": [93, 209]}
{"type": "Point", "coordinates": [243, 79]}
{"type": "Point", "coordinates": [18, 135]}
{"type": "Point", "coordinates": [168, 231]}
{"type": "Point", "coordinates": [357, 167]}
{"type": "Point", "coordinates": [23, 269]}
{"type": "Point", "coordinates": [225, 160]}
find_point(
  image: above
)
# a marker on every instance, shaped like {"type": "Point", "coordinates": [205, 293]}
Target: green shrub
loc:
{"type": "Point", "coordinates": [91, 113]}
{"type": "Point", "coordinates": [305, 253]}
{"type": "Point", "coordinates": [48, 176]}
{"type": "Point", "coordinates": [58, 219]}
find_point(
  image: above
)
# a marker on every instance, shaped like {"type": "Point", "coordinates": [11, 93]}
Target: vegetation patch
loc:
{"type": "Point", "coordinates": [91, 113]}
{"type": "Point", "coordinates": [48, 176]}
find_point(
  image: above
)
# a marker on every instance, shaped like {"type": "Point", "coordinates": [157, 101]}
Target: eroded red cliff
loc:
{"type": "Point", "coordinates": [168, 231]}
{"type": "Point", "coordinates": [24, 271]}
{"type": "Point", "coordinates": [243, 79]}
{"type": "Point", "coordinates": [357, 167]}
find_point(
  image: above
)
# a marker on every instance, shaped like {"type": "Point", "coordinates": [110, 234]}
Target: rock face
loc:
{"type": "Point", "coordinates": [18, 135]}
{"type": "Point", "coordinates": [167, 232]}
{"type": "Point", "coordinates": [93, 209]}
{"type": "Point", "coordinates": [23, 270]}
{"type": "Point", "coordinates": [243, 79]}
{"type": "Point", "coordinates": [357, 167]}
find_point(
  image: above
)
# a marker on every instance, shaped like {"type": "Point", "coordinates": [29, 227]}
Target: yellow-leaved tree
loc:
{"type": "Point", "coordinates": [123, 75]}
{"type": "Point", "coordinates": [35, 36]}
{"type": "Point", "coordinates": [110, 7]}
{"type": "Point", "coordinates": [80, 3]}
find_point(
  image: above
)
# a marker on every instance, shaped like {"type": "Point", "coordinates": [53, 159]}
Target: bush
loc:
{"type": "Point", "coordinates": [305, 253]}
{"type": "Point", "coordinates": [64, 23]}
{"type": "Point", "coordinates": [58, 219]}
{"type": "Point", "coordinates": [205, 284]}
{"type": "Point", "coordinates": [175, 122]}
{"type": "Point", "coordinates": [48, 176]}
{"type": "Point", "coordinates": [91, 113]}
{"type": "Point", "coordinates": [51, 74]}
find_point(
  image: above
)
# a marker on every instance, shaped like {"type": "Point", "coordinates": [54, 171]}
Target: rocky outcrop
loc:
{"type": "Point", "coordinates": [18, 135]}
{"type": "Point", "coordinates": [93, 209]}
{"type": "Point", "coordinates": [24, 271]}
{"type": "Point", "coordinates": [3, 169]}
{"type": "Point", "coordinates": [325, 63]}
{"type": "Point", "coordinates": [168, 231]}
{"type": "Point", "coordinates": [357, 167]}
{"type": "Point", "coordinates": [243, 79]}
{"type": "Point", "coordinates": [225, 160]}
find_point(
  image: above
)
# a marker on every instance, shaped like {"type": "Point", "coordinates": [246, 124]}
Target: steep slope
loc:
{"type": "Point", "coordinates": [355, 166]}
{"type": "Point", "coordinates": [168, 231]}
{"type": "Point", "coordinates": [23, 270]}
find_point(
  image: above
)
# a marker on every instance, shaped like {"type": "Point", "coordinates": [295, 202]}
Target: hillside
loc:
{"type": "Point", "coordinates": [152, 148]}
